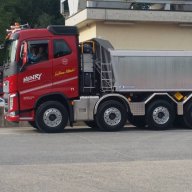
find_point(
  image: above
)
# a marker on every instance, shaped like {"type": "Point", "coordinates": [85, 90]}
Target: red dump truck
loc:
{"type": "Point", "coordinates": [50, 80]}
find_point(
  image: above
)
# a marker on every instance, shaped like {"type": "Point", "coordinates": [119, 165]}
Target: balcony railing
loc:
{"type": "Point", "coordinates": [160, 5]}
{"type": "Point", "coordinates": [71, 7]}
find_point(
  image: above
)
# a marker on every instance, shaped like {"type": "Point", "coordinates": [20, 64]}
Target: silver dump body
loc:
{"type": "Point", "coordinates": [163, 71]}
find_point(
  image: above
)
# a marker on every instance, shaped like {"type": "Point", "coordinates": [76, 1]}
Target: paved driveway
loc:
{"type": "Point", "coordinates": [81, 159]}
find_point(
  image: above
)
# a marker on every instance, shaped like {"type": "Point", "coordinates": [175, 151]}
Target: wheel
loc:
{"type": "Point", "coordinates": [111, 116]}
{"type": "Point", "coordinates": [51, 117]}
{"type": "Point", "coordinates": [179, 122]}
{"type": "Point", "coordinates": [160, 114]}
{"type": "Point", "coordinates": [33, 124]}
{"type": "Point", "coordinates": [91, 124]}
{"type": "Point", "coordinates": [138, 121]}
{"type": "Point", "coordinates": [187, 117]}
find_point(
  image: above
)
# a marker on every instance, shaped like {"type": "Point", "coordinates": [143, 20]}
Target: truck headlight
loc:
{"type": "Point", "coordinates": [12, 114]}
{"type": "Point", "coordinates": [11, 101]}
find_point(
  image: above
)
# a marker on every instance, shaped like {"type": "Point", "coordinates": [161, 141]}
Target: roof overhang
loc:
{"type": "Point", "coordinates": [90, 15]}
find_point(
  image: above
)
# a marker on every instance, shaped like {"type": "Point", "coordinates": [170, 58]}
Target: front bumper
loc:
{"type": "Point", "coordinates": [12, 118]}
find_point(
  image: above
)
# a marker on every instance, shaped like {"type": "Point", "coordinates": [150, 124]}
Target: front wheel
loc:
{"type": "Point", "coordinates": [51, 117]}
{"type": "Point", "coordinates": [33, 124]}
{"type": "Point", "coordinates": [160, 115]}
{"type": "Point", "coordinates": [111, 116]}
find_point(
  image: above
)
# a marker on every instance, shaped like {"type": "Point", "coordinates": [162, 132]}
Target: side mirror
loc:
{"type": "Point", "coordinates": [25, 52]}
{"type": "Point", "coordinates": [21, 53]}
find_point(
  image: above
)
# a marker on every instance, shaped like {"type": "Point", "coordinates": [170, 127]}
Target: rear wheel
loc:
{"type": "Point", "coordinates": [111, 116]}
{"type": "Point", "coordinates": [51, 117]}
{"type": "Point", "coordinates": [179, 122]}
{"type": "Point", "coordinates": [91, 124]}
{"type": "Point", "coordinates": [138, 121]}
{"type": "Point", "coordinates": [188, 115]}
{"type": "Point", "coordinates": [160, 114]}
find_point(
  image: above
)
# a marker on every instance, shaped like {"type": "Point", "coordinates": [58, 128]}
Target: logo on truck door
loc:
{"type": "Point", "coordinates": [65, 61]}
{"type": "Point", "coordinates": [32, 78]}
{"type": "Point", "coordinates": [67, 71]}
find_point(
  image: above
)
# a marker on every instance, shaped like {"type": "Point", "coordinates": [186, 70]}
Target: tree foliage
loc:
{"type": "Point", "coordinates": [37, 13]}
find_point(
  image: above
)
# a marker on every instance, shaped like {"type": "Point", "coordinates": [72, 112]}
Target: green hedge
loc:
{"type": "Point", "coordinates": [1, 57]}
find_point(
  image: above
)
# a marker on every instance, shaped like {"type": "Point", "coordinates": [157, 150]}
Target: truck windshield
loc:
{"type": "Point", "coordinates": [11, 48]}
{"type": "Point", "coordinates": [10, 64]}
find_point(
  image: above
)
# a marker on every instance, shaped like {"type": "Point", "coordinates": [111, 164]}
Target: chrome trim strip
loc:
{"type": "Point", "coordinates": [25, 118]}
{"type": "Point", "coordinates": [188, 98]}
{"type": "Point", "coordinates": [36, 88]}
{"type": "Point", "coordinates": [48, 85]}
{"type": "Point", "coordinates": [64, 81]}
{"type": "Point", "coordinates": [155, 94]}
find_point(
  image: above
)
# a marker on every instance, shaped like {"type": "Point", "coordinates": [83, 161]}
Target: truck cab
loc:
{"type": "Point", "coordinates": [40, 63]}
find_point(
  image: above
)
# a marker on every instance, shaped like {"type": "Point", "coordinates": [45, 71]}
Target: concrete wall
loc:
{"type": "Point", "coordinates": [87, 32]}
{"type": "Point", "coordinates": [144, 36]}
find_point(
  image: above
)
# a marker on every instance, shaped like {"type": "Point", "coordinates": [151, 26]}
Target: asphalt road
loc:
{"type": "Point", "coordinates": [84, 160]}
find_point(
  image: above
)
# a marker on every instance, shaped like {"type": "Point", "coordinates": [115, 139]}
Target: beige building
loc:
{"type": "Point", "coordinates": [162, 26]}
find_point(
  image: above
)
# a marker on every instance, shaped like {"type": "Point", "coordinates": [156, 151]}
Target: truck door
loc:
{"type": "Point", "coordinates": [65, 67]}
{"type": "Point", "coordinates": [35, 79]}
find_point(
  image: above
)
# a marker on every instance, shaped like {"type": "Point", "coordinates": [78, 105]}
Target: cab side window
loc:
{"type": "Point", "coordinates": [37, 51]}
{"type": "Point", "coordinates": [61, 48]}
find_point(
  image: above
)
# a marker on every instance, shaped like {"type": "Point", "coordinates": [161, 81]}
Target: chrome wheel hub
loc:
{"type": "Point", "coordinates": [112, 116]}
{"type": "Point", "coordinates": [52, 117]}
{"type": "Point", "coordinates": [161, 115]}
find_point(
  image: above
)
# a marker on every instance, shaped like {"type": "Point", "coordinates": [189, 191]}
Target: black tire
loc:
{"type": "Point", "coordinates": [179, 122]}
{"type": "Point", "coordinates": [187, 117]}
{"type": "Point", "coordinates": [137, 121]}
{"type": "Point", "coordinates": [91, 124]}
{"type": "Point", "coordinates": [111, 116]}
{"type": "Point", "coordinates": [160, 115]}
{"type": "Point", "coordinates": [51, 117]}
{"type": "Point", "coordinates": [33, 124]}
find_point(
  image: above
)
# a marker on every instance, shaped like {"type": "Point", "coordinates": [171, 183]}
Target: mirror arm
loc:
{"type": "Point", "coordinates": [22, 68]}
